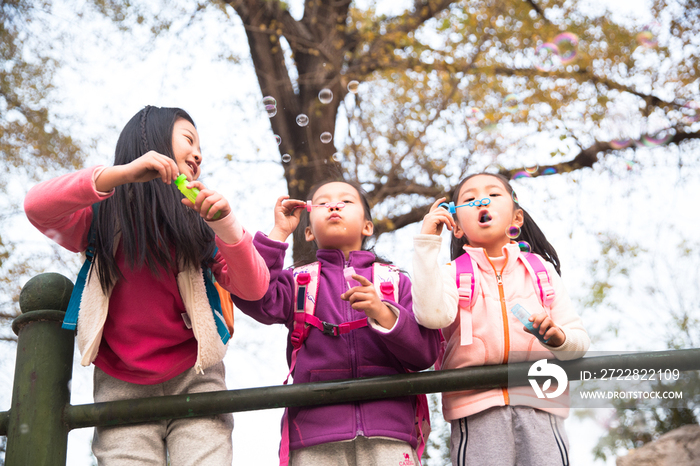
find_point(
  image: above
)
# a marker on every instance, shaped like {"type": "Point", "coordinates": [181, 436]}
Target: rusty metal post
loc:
{"type": "Point", "coordinates": [36, 431]}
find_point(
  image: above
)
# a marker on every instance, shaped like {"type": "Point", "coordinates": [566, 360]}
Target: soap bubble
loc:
{"type": "Point", "coordinates": [278, 140]}
{"type": "Point", "coordinates": [549, 171]}
{"type": "Point", "coordinates": [269, 100]}
{"type": "Point", "coordinates": [23, 429]}
{"type": "Point", "coordinates": [654, 141]}
{"type": "Point", "coordinates": [647, 38]}
{"type": "Point", "coordinates": [621, 143]}
{"type": "Point", "coordinates": [325, 96]}
{"type": "Point", "coordinates": [629, 164]}
{"type": "Point", "coordinates": [326, 137]}
{"type": "Point", "coordinates": [513, 231]}
{"type": "Point", "coordinates": [547, 56]}
{"type": "Point", "coordinates": [474, 115]}
{"type": "Point", "coordinates": [286, 158]}
{"type": "Point", "coordinates": [302, 120]}
{"type": "Point", "coordinates": [567, 44]}
{"type": "Point", "coordinates": [353, 86]}
{"type": "Point", "coordinates": [511, 103]}
{"type": "Point", "coordinates": [518, 175]}
{"type": "Point", "coordinates": [524, 246]}
{"type": "Point", "coordinates": [532, 169]}
{"type": "Point", "coordinates": [515, 198]}
{"type": "Point", "coordinates": [337, 157]}
{"type": "Point", "coordinates": [271, 110]}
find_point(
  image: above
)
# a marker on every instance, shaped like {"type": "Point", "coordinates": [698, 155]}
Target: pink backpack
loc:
{"type": "Point", "coordinates": [465, 278]}
{"type": "Point", "coordinates": [386, 281]}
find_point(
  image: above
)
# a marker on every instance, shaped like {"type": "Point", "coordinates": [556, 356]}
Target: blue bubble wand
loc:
{"type": "Point", "coordinates": [452, 208]}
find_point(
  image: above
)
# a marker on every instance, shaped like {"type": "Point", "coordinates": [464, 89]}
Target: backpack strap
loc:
{"type": "Point", "coordinates": [385, 278]}
{"type": "Point", "coordinates": [70, 320]}
{"type": "Point", "coordinates": [465, 287]}
{"type": "Point", "coordinates": [540, 277]}
{"type": "Point", "coordinates": [215, 303]}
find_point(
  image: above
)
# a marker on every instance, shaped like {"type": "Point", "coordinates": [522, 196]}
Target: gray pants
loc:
{"type": "Point", "coordinates": [509, 436]}
{"type": "Point", "coordinates": [361, 451]}
{"type": "Point", "coordinates": [189, 442]}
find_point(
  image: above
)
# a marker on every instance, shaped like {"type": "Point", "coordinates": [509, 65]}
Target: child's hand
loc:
{"type": "Point", "coordinates": [287, 216]}
{"type": "Point", "coordinates": [364, 298]}
{"type": "Point", "coordinates": [548, 329]}
{"type": "Point", "coordinates": [208, 202]}
{"type": "Point", "coordinates": [149, 166]}
{"type": "Point", "coordinates": [436, 218]}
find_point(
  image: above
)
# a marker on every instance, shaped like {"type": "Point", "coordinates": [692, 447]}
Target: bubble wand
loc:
{"type": "Point", "coordinates": [308, 206]}
{"type": "Point", "coordinates": [191, 193]}
{"type": "Point", "coordinates": [452, 208]}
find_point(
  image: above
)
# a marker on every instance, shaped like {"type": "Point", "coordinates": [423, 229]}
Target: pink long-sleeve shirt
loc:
{"type": "Point", "coordinates": [145, 338]}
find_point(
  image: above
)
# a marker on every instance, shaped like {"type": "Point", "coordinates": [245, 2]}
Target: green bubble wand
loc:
{"type": "Point", "coordinates": [191, 193]}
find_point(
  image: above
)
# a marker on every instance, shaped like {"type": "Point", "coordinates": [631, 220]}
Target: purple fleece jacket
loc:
{"type": "Point", "coordinates": [363, 352]}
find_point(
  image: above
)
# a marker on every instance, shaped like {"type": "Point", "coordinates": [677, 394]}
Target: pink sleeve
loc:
{"type": "Point", "coordinates": [240, 269]}
{"type": "Point", "coordinates": [60, 208]}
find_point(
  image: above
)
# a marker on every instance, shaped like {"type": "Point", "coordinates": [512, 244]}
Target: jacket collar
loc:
{"type": "Point", "coordinates": [335, 257]}
{"type": "Point", "coordinates": [511, 251]}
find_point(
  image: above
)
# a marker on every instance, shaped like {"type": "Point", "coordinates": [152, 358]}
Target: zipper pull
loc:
{"type": "Point", "coordinates": [499, 279]}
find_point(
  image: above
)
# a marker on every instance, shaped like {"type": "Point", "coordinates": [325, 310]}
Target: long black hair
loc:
{"type": "Point", "coordinates": [529, 232]}
{"type": "Point", "coordinates": [309, 254]}
{"type": "Point", "coordinates": [152, 221]}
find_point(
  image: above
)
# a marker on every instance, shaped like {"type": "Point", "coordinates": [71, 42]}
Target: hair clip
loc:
{"type": "Point", "coordinates": [452, 208]}
{"type": "Point", "coordinates": [309, 205]}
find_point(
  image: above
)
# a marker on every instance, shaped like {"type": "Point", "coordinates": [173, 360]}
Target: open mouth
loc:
{"type": "Point", "coordinates": [484, 216]}
{"type": "Point", "coordinates": [193, 167]}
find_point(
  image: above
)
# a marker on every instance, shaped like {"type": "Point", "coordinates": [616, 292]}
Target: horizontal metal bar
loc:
{"type": "Point", "coordinates": [363, 389]}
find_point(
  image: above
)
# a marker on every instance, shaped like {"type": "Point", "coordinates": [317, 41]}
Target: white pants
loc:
{"type": "Point", "coordinates": [189, 442]}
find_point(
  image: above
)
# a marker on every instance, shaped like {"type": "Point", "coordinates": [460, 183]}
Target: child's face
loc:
{"type": "Point", "coordinates": [188, 155]}
{"type": "Point", "coordinates": [338, 228]}
{"type": "Point", "coordinates": [485, 226]}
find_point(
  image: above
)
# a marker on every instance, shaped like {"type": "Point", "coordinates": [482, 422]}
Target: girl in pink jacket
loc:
{"type": "Point", "coordinates": [494, 426]}
{"type": "Point", "coordinates": [145, 318]}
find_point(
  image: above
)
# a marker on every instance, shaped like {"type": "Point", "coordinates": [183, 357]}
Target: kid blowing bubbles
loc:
{"type": "Point", "coordinates": [147, 317]}
{"type": "Point", "coordinates": [339, 329]}
{"type": "Point", "coordinates": [473, 299]}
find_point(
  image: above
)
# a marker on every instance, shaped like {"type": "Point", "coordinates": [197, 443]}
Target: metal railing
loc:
{"type": "Point", "coordinates": [41, 416]}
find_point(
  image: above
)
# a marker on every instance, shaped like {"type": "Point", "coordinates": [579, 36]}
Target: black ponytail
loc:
{"type": "Point", "coordinates": [529, 232]}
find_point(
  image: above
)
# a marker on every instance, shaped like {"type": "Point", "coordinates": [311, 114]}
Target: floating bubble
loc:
{"type": "Point", "coordinates": [629, 164]}
{"type": "Point", "coordinates": [621, 143]}
{"type": "Point", "coordinates": [23, 429]}
{"type": "Point", "coordinates": [353, 86]}
{"type": "Point", "coordinates": [524, 246]}
{"type": "Point", "coordinates": [511, 103]}
{"type": "Point", "coordinates": [567, 42]}
{"type": "Point", "coordinates": [302, 120]}
{"type": "Point", "coordinates": [549, 171]}
{"type": "Point", "coordinates": [521, 175]}
{"type": "Point", "coordinates": [269, 100]}
{"type": "Point", "coordinates": [271, 110]}
{"type": "Point", "coordinates": [278, 140]}
{"type": "Point", "coordinates": [647, 38]}
{"type": "Point", "coordinates": [532, 169]}
{"type": "Point", "coordinates": [547, 56]}
{"type": "Point", "coordinates": [513, 231]}
{"type": "Point", "coordinates": [474, 115]}
{"type": "Point", "coordinates": [654, 141]}
{"type": "Point", "coordinates": [286, 158]}
{"type": "Point", "coordinates": [515, 198]}
{"type": "Point", "coordinates": [490, 128]}
{"type": "Point", "coordinates": [325, 96]}
{"type": "Point", "coordinates": [326, 137]}
{"type": "Point", "coordinates": [337, 157]}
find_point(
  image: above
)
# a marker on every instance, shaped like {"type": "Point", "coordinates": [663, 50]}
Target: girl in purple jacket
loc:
{"type": "Point", "coordinates": [391, 342]}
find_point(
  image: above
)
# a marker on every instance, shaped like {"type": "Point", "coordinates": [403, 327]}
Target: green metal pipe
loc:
{"type": "Point", "coordinates": [370, 388]}
{"type": "Point", "coordinates": [36, 431]}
